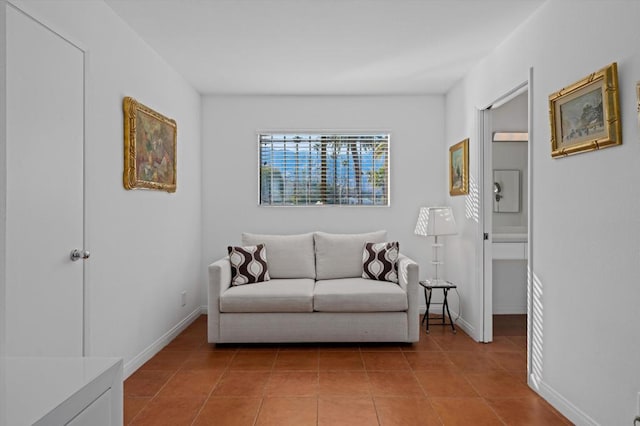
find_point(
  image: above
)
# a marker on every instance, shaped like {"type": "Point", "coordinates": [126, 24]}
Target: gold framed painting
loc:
{"type": "Point", "coordinates": [150, 141]}
{"type": "Point", "coordinates": [459, 168]}
{"type": "Point", "coordinates": [586, 115]}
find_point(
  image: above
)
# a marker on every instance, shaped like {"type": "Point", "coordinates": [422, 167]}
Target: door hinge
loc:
{"type": "Point", "coordinates": [486, 236]}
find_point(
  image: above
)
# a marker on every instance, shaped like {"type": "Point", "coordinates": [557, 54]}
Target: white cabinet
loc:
{"type": "Point", "coordinates": [510, 254]}
{"type": "Point", "coordinates": [61, 391]}
{"type": "Point", "coordinates": [98, 413]}
{"type": "Point", "coordinates": [510, 251]}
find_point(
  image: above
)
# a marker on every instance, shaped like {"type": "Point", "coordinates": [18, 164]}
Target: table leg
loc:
{"type": "Point", "coordinates": [424, 318]}
{"type": "Point", "coordinates": [446, 305]}
{"type": "Point", "coordinates": [427, 297]}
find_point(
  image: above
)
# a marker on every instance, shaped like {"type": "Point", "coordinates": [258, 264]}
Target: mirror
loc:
{"type": "Point", "coordinates": [506, 190]}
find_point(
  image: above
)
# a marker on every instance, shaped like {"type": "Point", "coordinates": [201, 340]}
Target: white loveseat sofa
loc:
{"type": "Point", "coordinates": [316, 294]}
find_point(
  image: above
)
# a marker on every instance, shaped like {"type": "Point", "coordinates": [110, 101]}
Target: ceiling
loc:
{"type": "Point", "coordinates": [323, 47]}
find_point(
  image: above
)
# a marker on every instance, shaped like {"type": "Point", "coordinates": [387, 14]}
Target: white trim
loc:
{"type": "Point", "coordinates": [144, 356]}
{"type": "Point", "coordinates": [3, 181]}
{"type": "Point", "coordinates": [485, 198]}
{"type": "Point", "coordinates": [3, 196]}
{"type": "Point", "coordinates": [510, 95]}
{"type": "Point", "coordinates": [530, 222]}
{"type": "Point", "coordinates": [86, 243]}
{"type": "Point", "coordinates": [26, 9]}
{"type": "Point", "coordinates": [563, 405]}
{"type": "Point", "coordinates": [466, 327]}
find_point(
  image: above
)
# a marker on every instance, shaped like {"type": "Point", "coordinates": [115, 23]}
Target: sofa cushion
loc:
{"type": "Point", "coordinates": [276, 295]}
{"type": "Point", "coordinates": [380, 261]}
{"type": "Point", "coordinates": [290, 256]}
{"type": "Point", "coordinates": [340, 255]}
{"type": "Point", "coordinates": [248, 264]}
{"type": "Point", "coordinates": [358, 295]}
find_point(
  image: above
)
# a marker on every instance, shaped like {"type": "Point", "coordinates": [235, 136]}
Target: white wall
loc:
{"type": "Point", "coordinates": [585, 209]}
{"type": "Point", "coordinates": [145, 245]}
{"type": "Point", "coordinates": [230, 173]}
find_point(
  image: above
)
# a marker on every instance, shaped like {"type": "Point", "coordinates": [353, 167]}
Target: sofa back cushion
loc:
{"type": "Point", "coordinates": [290, 256]}
{"type": "Point", "coordinates": [340, 255]}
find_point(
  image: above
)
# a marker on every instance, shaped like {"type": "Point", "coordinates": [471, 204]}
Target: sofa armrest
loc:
{"type": "Point", "coordinates": [219, 282]}
{"type": "Point", "coordinates": [408, 276]}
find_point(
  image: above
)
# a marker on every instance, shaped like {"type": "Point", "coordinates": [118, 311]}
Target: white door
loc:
{"type": "Point", "coordinates": [487, 227]}
{"type": "Point", "coordinates": [45, 141]}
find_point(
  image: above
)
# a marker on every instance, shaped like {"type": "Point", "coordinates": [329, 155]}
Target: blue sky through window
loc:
{"type": "Point", "coordinates": [319, 169]}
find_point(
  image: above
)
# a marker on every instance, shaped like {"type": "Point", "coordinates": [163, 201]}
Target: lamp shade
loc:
{"type": "Point", "coordinates": [435, 221]}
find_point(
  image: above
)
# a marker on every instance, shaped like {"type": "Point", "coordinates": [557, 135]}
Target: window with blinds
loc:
{"type": "Point", "coordinates": [308, 169]}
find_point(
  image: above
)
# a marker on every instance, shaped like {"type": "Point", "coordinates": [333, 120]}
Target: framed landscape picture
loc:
{"type": "Point", "coordinates": [586, 115]}
{"type": "Point", "coordinates": [459, 168]}
{"type": "Point", "coordinates": [149, 148]}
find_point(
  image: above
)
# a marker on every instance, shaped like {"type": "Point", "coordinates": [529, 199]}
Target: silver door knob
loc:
{"type": "Point", "coordinates": [79, 254]}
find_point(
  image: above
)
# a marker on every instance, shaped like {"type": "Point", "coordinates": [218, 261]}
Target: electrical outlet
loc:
{"type": "Point", "coordinates": [183, 298]}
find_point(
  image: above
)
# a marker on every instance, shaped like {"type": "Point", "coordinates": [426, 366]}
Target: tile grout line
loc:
{"type": "Point", "coordinates": [213, 388]}
{"type": "Point", "coordinates": [154, 395]}
{"type": "Point", "coordinates": [424, 391]}
{"type": "Point", "coordinates": [370, 390]}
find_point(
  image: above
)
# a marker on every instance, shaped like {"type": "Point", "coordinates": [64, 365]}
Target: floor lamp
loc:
{"type": "Point", "coordinates": [436, 221]}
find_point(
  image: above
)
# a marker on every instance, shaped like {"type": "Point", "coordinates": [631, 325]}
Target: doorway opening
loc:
{"type": "Point", "coordinates": [509, 205]}
{"type": "Point", "coordinates": [506, 205]}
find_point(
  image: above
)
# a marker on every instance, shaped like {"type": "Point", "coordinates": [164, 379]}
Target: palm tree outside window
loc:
{"type": "Point", "coordinates": [315, 169]}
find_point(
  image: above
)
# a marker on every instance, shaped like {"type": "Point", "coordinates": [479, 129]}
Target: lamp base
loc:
{"type": "Point", "coordinates": [436, 262]}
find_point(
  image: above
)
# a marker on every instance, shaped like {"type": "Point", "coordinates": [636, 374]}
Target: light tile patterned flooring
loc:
{"type": "Point", "coordinates": [445, 378]}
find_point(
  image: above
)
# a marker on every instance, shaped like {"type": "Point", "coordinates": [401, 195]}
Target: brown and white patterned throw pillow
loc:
{"type": "Point", "coordinates": [380, 261]}
{"type": "Point", "coordinates": [248, 264]}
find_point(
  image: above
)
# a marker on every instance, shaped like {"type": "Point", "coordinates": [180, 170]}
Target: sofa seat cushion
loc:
{"type": "Point", "coordinates": [358, 295]}
{"type": "Point", "coordinates": [276, 295]}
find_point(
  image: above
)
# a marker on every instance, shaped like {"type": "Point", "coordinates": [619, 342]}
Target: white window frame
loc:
{"type": "Point", "coordinates": [379, 196]}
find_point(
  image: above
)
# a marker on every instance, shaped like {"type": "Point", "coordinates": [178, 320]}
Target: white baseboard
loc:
{"type": "Point", "coordinates": [144, 356]}
{"type": "Point", "coordinates": [564, 406]}
{"type": "Point", "coordinates": [204, 310]}
{"type": "Point", "coordinates": [466, 327]}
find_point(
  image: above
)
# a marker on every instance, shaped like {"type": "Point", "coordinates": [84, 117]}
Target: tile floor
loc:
{"type": "Point", "coordinates": [445, 379]}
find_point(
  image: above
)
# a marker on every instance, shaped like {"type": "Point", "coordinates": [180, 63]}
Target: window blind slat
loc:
{"type": "Point", "coordinates": [311, 169]}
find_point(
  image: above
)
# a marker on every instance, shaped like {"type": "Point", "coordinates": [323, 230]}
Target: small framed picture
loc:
{"type": "Point", "coordinates": [586, 115]}
{"type": "Point", "coordinates": [459, 168]}
{"type": "Point", "coordinates": [149, 148]}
